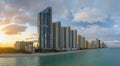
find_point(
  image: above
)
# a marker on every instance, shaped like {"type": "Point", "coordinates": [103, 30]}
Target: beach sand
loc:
{"type": "Point", "coordinates": [39, 54]}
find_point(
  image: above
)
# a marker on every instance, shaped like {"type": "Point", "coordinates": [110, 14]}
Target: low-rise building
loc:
{"type": "Point", "coordinates": [26, 46]}
{"type": "Point", "coordinates": [19, 45]}
{"type": "Point", "coordinates": [29, 47]}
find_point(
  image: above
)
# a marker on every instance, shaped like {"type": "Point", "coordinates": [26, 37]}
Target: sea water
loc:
{"type": "Point", "coordinates": [91, 57]}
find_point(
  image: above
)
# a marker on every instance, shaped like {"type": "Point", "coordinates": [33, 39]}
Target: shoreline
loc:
{"type": "Point", "coordinates": [40, 54]}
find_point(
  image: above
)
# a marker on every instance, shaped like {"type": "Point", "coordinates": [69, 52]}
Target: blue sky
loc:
{"type": "Point", "coordinates": [92, 18]}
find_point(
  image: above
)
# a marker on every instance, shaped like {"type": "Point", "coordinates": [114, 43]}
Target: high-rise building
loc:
{"type": "Point", "coordinates": [78, 41]}
{"type": "Point", "coordinates": [45, 29]}
{"type": "Point", "coordinates": [93, 44]}
{"type": "Point", "coordinates": [86, 44]}
{"type": "Point", "coordinates": [56, 35]}
{"type": "Point", "coordinates": [74, 39]}
{"type": "Point", "coordinates": [63, 38]}
{"type": "Point", "coordinates": [97, 43]}
{"type": "Point", "coordinates": [67, 38]}
{"type": "Point", "coordinates": [82, 43]}
{"type": "Point", "coordinates": [71, 40]}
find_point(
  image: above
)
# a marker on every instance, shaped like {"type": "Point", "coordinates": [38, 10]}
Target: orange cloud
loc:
{"type": "Point", "coordinates": [13, 29]}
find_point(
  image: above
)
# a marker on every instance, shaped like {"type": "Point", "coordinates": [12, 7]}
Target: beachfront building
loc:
{"type": "Point", "coordinates": [103, 45]}
{"type": "Point", "coordinates": [86, 44]}
{"type": "Point", "coordinates": [78, 42]}
{"type": "Point", "coordinates": [56, 27]}
{"type": "Point", "coordinates": [29, 47]}
{"type": "Point", "coordinates": [63, 38]}
{"type": "Point", "coordinates": [45, 29]}
{"type": "Point", "coordinates": [67, 38]}
{"type": "Point", "coordinates": [82, 45]}
{"type": "Point", "coordinates": [26, 46]}
{"type": "Point", "coordinates": [71, 40]}
{"type": "Point", "coordinates": [19, 45]}
{"type": "Point", "coordinates": [97, 43]}
{"type": "Point", "coordinates": [74, 40]}
{"type": "Point", "coordinates": [92, 44]}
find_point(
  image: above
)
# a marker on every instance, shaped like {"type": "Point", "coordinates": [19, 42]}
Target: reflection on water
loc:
{"type": "Point", "coordinates": [97, 57]}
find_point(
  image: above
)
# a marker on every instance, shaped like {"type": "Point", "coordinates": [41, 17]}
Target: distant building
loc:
{"type": "Point", "coordinates": [45, 29]}
{"type": "Point", "coordinates": [29, 47]}
{"type": "Point", "coordinates": [86, 44]}
{"type": "Point", "coordinates": [79, 41]}
{"type": "Point", "coordinates": [63, 38]}
{"type": "Point", "coordinates": [82, 46]}
{"type": "Point", "coordinates": [20, 45]}
{"type": "Point", "coordinates": [93, 44]}
{"type": "Point", "coordinates": [103, 45]}
{"type": "Point", "coordinates": [26, 46]}
{"type": "Point", "coordinates": [97, 43]}
{"type": "Point", "coordinates": [71, 40]}
{"type": "Point", "coordinates": [67, 38]}
{"type": "Point", "coordinates": [74, 39]}
{"type": "Point", "coordinates": [56, 35]}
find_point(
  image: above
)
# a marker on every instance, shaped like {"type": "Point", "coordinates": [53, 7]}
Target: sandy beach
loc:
{"type": "Point", "coordinates": [39, 54]}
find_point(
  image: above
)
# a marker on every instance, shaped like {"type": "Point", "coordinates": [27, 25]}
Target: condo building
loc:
{"type": "Point", "coordinates": [97, 43]}
{"type": "Point", "coordinates": [56, 27]}
{"type": "Point", "coordinates": [93, 44]}
{"type": "Point", "coordinates": [82, 46]}
{"type": "Point", "coordinates": [67, 38]}
{"type": "Point", "coordinates": [86, 44]}
{"type": "Point", "coordinates": [63, 38]}
{"type": "Point", "coordinates": [78, 42]}
{"type": "Point", "coordinates": [71, 40]}
{"type": "Point", "coordinates": [74, 39]}
{"type": "Point", "coordinates": [25, 45]}
{"type": "Point", "coordinates": [45, 29]}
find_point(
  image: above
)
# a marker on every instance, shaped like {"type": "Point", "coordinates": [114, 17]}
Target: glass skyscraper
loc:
{"type": "Point", "coordinates": [45, 29]}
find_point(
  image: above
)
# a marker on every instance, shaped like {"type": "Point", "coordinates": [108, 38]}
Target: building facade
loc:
{"type": "Point", "coordinates": [20, 45]}
{"type": "Point", "coordinates": [86, 44]}
{"type": "Point", "coordinates": [67, 38]}
{"type": "Point", "coordinates": [74, 39]}
{"type": "Point", "coordinates": [25, 45]}
{"type": "Point", "coordinates": [45, 29]}
{"type": "Point", "coordinates": [71, 40]}
{"type": "Point", "coordinates": [78, 42]}
{"type": "Point", "coordinates": [82, 45]}
{"type": "Point", "coordinates": [63, 38]}
{"type": "Point", "coordinates": [56, 35]}
{"type": "Point", "coordinates": [29, 47]}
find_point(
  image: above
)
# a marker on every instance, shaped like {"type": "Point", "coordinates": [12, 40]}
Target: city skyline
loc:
{"type": "Point", "coordinates": [90, 18]}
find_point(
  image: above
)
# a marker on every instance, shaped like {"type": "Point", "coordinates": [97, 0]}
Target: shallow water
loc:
{"type": "Point", "coordinates": [92, 57]}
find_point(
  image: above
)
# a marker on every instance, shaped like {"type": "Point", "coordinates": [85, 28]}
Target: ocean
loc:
{"type": "Point", "coordinates": [91, 57]}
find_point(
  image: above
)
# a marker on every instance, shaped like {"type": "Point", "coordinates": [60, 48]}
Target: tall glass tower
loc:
{"type": "Point", "coordinates": [45, 29]}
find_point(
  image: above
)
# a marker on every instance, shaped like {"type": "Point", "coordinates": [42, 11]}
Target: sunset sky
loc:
{"type": "Point", "coordinates": [92, 18]}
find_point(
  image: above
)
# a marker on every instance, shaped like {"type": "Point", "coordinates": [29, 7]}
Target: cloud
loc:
{"type": "Point", "coordinates": [93, 18]}
{"type": "Point", "coordinates": [14, 12]}
{"type": "Point", "coordinates": [107, 35]}
{"type": "Point", "coordinates": [13, 29]}
{"type": "Point", "coordinates": [89, 15]}
{"type": "Point", "coordinates": [32, 37]}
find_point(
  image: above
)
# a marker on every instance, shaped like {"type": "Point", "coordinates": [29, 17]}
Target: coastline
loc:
{"type": "Point", "coordinates": [40, 54]}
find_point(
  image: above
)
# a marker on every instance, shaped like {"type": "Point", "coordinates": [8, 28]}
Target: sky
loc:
{"type": "Point", "coordinates": [92, 18]}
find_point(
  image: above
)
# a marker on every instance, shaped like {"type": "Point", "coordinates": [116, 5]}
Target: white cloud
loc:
{"type": "Point", "coordinates": [89, 15]}
{"type": "Point", "coordinates": [115, 26]}
{"type": "Point", "coordinates": [13, 29]}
